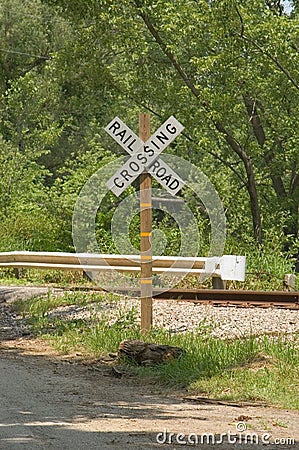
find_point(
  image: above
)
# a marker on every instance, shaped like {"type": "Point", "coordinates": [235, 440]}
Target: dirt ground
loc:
{"type": "Point", "coordinates": [50, 401]}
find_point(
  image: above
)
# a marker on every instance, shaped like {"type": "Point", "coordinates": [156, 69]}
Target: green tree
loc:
{"type": "Point", "coordinates": [229, 71]}
{"type": "Point", "coordinates": [29, 122]}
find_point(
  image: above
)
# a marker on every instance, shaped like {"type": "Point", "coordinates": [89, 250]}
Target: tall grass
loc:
{"type": "Point", "coordinates": [252, 368]}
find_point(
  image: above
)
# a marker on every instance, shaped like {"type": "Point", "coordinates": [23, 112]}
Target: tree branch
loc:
{"type": "Point", "coordinates": [259, 133]}
{"type": "Point", "coordinates": [166, 50]}
{"type": "Point", "coordinates": [37, 62]}
{"type": "Point", "coordinates": [230, 166]}
{"type": "Point", "coordinates": [265, 52]}
{"type": "Point", "coordinates": [236, 147]}
{"type": "Point", "coordinates": [274, 59]}
{"type": "Point", "coordinates": [254, 119]}
{"type": "Point", "coordinates": [294, 184]}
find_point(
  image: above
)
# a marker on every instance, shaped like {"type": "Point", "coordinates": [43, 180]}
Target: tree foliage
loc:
{"type": "Point", "coordinates": [228, 70]}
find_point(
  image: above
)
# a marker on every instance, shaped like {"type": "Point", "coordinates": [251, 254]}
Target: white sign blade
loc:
{"type": "Point", "coordinates": [123, 135]}
{"type": "Point", "coordinates": [126, 174]}
{"type": "Point", "coordinates": [166, 176]}
{"type": "Point", "coordinates": [163, 136]}
{"type": "Point", "coordinates": [144, 155]}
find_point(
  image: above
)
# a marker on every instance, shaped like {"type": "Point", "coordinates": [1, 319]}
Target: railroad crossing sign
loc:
{"type": "Point", "coordinates": [145, 156]}
{"type": "Point", "coordinates": [145, 161]}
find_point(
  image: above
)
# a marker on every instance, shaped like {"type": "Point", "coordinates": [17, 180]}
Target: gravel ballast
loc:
{"type": "Point", "coordinates": [177, 317]}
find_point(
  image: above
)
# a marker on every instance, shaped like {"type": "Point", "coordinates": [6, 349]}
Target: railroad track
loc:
{"type": "Point", "coordinates": [214, 297]}
{"type": "Point", "coordinates": [221, 297]}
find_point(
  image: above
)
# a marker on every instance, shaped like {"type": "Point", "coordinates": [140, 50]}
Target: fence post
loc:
{"type": "Point", "coordinates": [218, 283]}
{"type": "Point", "coordinates": [289, 282]}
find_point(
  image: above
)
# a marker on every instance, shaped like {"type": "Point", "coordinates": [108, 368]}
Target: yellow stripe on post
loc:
{"type": "Point", "coordinates": [146, 281]}
{"type": "Point", "coordinates": [144, 234]}
{"type": "Point", "coordinates": [145, 205]}
{"type": "Point", "coordinates": [148, 257]}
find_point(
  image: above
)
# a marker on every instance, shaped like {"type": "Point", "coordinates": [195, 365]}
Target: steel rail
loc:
{"type": "Point", "coordinates": [214, 297]}
{"type": "Point", "coordinates": [223, 297]}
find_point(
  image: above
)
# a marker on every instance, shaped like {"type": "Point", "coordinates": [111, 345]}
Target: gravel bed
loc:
{"type": "Point", "coordinates": [11, 325]}
{"type": "Point", "coordinates": [223, 322]}
{"type": "Point", "coordinates": [177, 317]}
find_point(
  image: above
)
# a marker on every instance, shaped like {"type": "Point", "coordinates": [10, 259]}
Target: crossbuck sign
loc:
{"type": "Point", "coordinates": [145, 156]}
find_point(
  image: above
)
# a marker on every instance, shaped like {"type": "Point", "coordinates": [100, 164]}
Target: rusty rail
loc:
{"type": "Point", "coordinates": [219, 297]}
{"type": "Point", "coordinates": [214, 297]}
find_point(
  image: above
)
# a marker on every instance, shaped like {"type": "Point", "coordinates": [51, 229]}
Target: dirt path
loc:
{"type": "Point", "coordinates": [52, 402]}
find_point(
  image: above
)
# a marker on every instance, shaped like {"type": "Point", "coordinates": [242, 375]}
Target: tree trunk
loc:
{"type": "Point", "coordinates": [236, 147]}
{"type": "Point", "coordinates": [251, 183]}
{"type": "Point", "coordinates": [289, 200]}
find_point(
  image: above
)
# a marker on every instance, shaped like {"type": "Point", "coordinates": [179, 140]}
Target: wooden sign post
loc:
{"type": "Point", "coordinates": [145, 162]}
{"type": "Point", "coordinates": [146, 275]}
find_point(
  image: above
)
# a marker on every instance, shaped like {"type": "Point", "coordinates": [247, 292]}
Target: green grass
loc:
{"type": "Point", "coordinates": [42, 277]}
{"type": "Point", "coordinates": [270, 376]}
{"type": "Point", "coordinates": [256, 369]}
